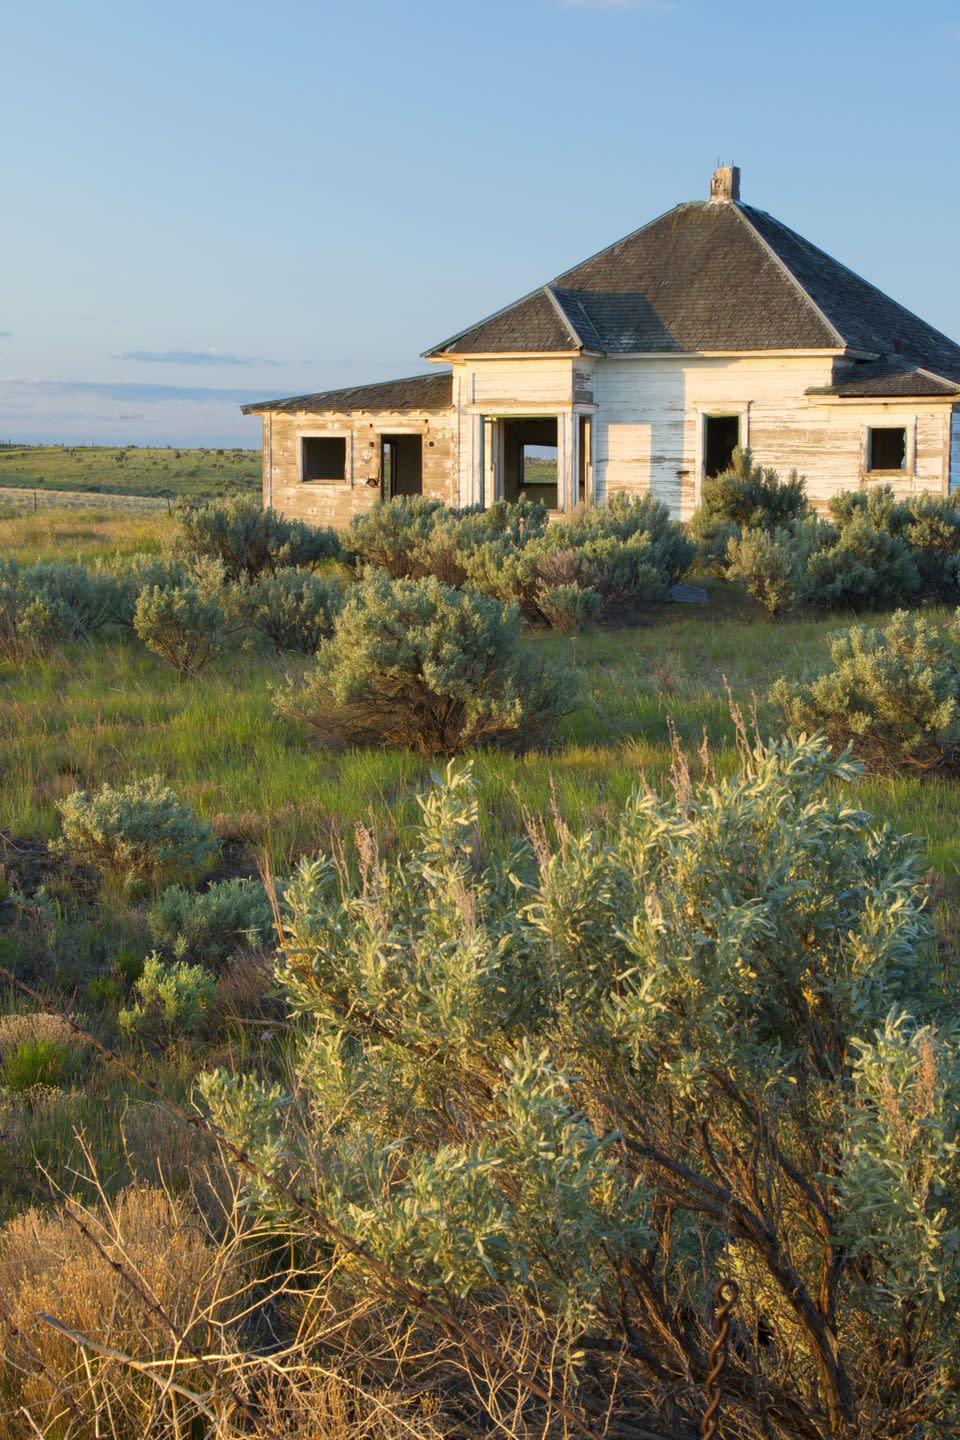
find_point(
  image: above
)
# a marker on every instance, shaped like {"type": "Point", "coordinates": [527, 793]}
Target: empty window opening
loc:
{"type": "Point", "coordinates": [721, 436]}
{"type": "Point", "coordinates": [530, 460]}
{"type": "Point", "coordinates": [401, 465]}
{"type": "Point", "coordinates": [324, 457]}
{"type": "Point", "coordinates": [887, 448]}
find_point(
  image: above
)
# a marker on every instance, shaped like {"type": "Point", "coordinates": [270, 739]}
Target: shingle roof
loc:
{"type": "Point", "coordinates": [433, 391]}
{"type": "Point", "coordinates": [890, 377]}
{"type": "Point", "coordinates": [709, 276]}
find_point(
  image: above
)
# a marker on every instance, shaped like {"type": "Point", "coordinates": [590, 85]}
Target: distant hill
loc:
{"type": "Point", "coordinates": [130, 470]}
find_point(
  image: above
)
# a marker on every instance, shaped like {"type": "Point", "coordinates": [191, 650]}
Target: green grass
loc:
{"type": "Point", "coordinates": [57, 533]}
{"type": "Point", "coordinates": [107, 710]}
{"type": "Point", "coordinates": [130, 470]}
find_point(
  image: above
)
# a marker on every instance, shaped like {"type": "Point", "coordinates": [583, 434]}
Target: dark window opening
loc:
{"type": "Point", "coordinates": [721, 436]}
{"type": "Point", "coordinates": [401, 465]}
{"type": "Point", "coordinates": [887, 448]}
{"type": "Point", "coordinates": [324, 457]}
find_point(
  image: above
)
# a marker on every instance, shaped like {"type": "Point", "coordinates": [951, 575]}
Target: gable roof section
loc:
{"type": "Point", "coordinates": [433, 391]}
{"type": "Point", "coordinates": [708, 276]}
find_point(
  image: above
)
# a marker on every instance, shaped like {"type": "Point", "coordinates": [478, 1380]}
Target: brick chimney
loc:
{"type": "Point", "coordinates": [725, 184]}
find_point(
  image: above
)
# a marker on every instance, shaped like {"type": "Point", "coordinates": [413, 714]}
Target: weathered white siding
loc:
{"type": "Point", "coordinates": [955, 450]}
{"type": "Point", "coordinates": [649, 424]}
{"type": "Point", "coordinates": [648, 429]}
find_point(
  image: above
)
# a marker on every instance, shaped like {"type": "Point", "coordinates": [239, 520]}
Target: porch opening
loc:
{"type": "Point", "coordinates": [721, 436]}
{"type": "Point", "coordinates": [401, 465]}
{"type": "Point", "coordinates": [530, 460]}
{"type": "Point", "coordinates": [887, 448]}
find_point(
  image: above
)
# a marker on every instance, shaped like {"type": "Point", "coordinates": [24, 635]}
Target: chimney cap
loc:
{"type": "Point", "coordinates": [725, 184]}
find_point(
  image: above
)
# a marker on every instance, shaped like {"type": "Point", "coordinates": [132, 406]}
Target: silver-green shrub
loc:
{"type": "Point", "coordinates": [414, 664]}
{"type": "Point", "coordinates": [411, 537]}
{"type": "Point", "coordinates": [570, 609]}
{"type": "Point", "coordinates": [181, 625]}
{"type": "Point", "coordinates": [210, 925]}
{"type": "Point", "coordinates": [892, 692]}
{"type": "Point", "coordinates": [567, 1087]}
{"type": "Point", "coordinates": [250, 539]}
{"type": "Point", "coordinates": [173, 998]}
{"type": "Point", "coordinates": [294, 609]}
{"type": "Point", "coordinates": [141, 836]}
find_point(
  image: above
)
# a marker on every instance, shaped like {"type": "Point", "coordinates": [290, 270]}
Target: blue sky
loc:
{"type": "Point", "coordinates": [208, 202]}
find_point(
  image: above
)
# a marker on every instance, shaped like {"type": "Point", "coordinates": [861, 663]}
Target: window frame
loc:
{"type": "Point", "coordinates": [346, 436]}
{"type": "Point", "coordinates": [907, 470]}
{"type": "Point", "coordinates": [716, 411]}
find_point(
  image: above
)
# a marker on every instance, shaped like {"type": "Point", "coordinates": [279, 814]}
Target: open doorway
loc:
{"type": "Point", "coordinates": [401, 465]}
{"type": "Point", "coordinates": [721, 436]}
{"type": "Point", "coordinates": [530, 460]}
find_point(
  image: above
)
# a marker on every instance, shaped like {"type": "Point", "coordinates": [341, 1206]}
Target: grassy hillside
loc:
{"type": "Point", "coordinates": [130, 470]}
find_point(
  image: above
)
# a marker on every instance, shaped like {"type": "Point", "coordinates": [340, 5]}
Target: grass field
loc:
{"type": "Point", "coordinates": [130, 470]}
{"type": "Point", "coordinates": [108, 710]}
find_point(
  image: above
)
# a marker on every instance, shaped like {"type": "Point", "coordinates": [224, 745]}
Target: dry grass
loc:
{"type": "Point", "coordinates": [97, 1379]}
{"type": "Point", "coordinates": [39, 1028]}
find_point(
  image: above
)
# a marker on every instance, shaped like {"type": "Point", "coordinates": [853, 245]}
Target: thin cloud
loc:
{"type": "Point", "coordinates": [195, 357]}
{"type": "Point", "coordinates": [4, 334]}
{"type": "Point", "coordinates": [651, 7]}
{"type": "Point", "coordinates": [129, 391]}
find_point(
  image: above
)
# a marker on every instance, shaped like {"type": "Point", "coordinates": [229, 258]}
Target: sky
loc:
{"type": "Point", "coordinates": [208, 203]}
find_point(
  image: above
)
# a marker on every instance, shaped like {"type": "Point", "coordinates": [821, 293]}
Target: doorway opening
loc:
{"type": "Point", "coordinates": [721, 436]}
{"type": "Point", "coordinates": [401, 465]}
{"type": "Point", "coordinates": [530, 460]}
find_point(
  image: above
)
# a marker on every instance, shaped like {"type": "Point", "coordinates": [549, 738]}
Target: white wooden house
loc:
{"type": "Point", "coordinates": [640, 370]}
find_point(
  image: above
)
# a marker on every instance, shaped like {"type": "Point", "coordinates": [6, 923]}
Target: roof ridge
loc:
{"type": "Point", "coordinates": [549, 291]}
{"type": "Point", "coordinates": [855, 274]}
{"type": "Point", "coordinates": [782, 265]}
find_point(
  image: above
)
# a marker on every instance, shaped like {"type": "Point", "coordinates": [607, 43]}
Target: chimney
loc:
{"type": "Point", "coordinates": [725, 184]}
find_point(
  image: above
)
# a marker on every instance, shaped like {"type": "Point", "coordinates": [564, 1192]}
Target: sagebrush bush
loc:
{"type": "Point", "coordinates": [181, 625]}
{"type": "Point", "coordinates": [90, 598]}
{"type": "Point", "coordinates": [892, 692]}
{"type": "Point", "coordinates": [140, 835]}
{"type": "Point", "coordinates": [208, 925]}
{"type": "Point", "coordinates": [135, 573]}
{"type": "Point", "coordinates": [774, 565]}
{"type": "Point", "coordinates": [48, 1266]}
{"type": "Point", "coordinates": [745, 497]}
{"type": "Point", "coordinates": [250, 539]}
{"type": "Point", "coordinates": [928, 525]}
{"type": "Point", "coordinates": [295, 609]}
{"type": "Point", "coordinates": [704, 1041]}
{"type": "Point", "coordinates": [410, 537]}
{"type": "Point", "coordinates": [415, 664]}
{"type": "Point", "coordinates": [867, 568]}
{"type": "Point", "coordinates": [628, 551]}
{"type": "Point", "coordinates": [173, 998]}
{"type": "Point", "coordinates": [568, 608]}
{"type": "Point", "coordinates": [28, 626]}
{"type": "Point", "coordinates": [49, 602]}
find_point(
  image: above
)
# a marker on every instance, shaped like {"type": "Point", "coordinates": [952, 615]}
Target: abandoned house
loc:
{"type": "Point", "coordinates": [641, 370]}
